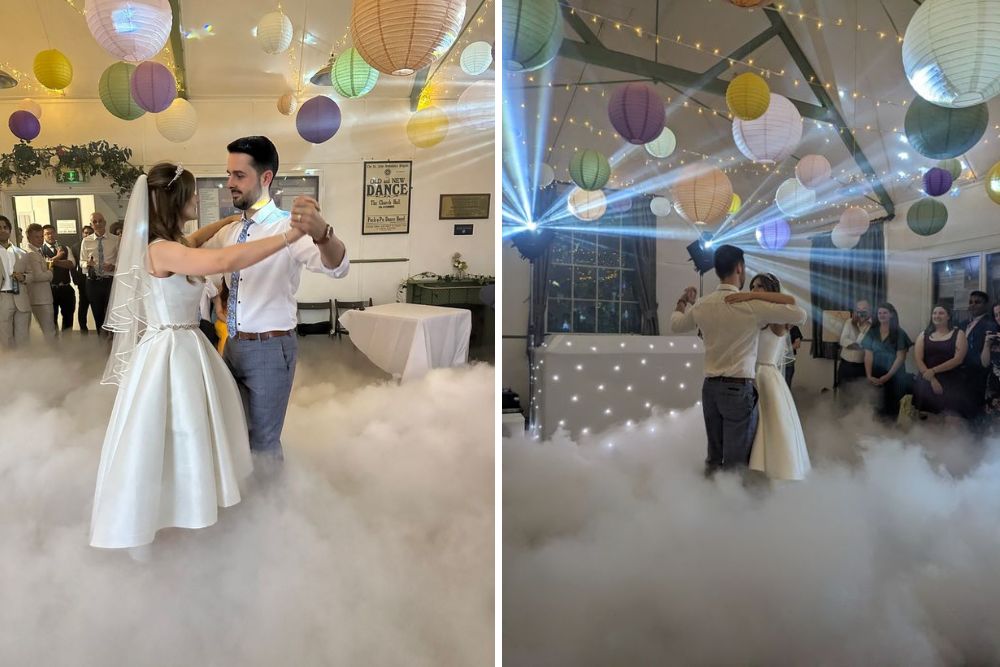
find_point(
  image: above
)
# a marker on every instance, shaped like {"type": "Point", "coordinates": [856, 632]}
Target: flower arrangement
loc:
{"type": "Point", "coordinates": [94, 158]}
{"type": "Point", "coordinates": [459, 264]}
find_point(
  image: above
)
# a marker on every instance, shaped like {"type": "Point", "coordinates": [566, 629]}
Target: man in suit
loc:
{"type": "Point", "coordinates": [80, 279]}
{"type": "Point", "coordinates": [37, 279]}
{"type": "Point", "coordinates": [62, 261]}
{"type": "Point", "coordinates": [976, 328]}
{"type": "Point", "coordinates": [15, 309]}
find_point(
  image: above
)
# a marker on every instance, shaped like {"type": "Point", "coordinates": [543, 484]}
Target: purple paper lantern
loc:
{"type": "Point", "coordinates": [153, 87]}
{"type": "Point", "coordinates": [24, 125]}
{"type": "Point", "coordinates": [637, 112]}
{"type": "Point", "coordinates": [773, 234]}
{"type": "Point", "coordinates": [937, 181]}
{"type": "Point", "coordinates": [318, 119]}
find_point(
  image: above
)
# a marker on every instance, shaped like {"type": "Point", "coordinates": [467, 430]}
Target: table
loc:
{"type": "Point", "coordinates": [591, 381]}
{"type": "Point", "coordinates": [456, 294]}
{"type": "Point", "coordinates": [511, 424]}
{"type": "Point", "coordinates": [408, 339]}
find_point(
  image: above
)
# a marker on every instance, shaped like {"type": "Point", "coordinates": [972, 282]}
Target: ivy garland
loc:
{"type": "Point", "coordinates": [95, 158]}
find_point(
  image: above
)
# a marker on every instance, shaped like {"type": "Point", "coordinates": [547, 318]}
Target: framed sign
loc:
{"type": "Point", "coordinates": [464, 207]}
{"type": "Point", "coordinates": [386, 205]}
{"type": "Point", "coordinates": [216, 202]}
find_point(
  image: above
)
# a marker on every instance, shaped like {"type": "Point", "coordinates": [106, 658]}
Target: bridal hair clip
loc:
{"type": "Point", "coordinates": [177, 174]}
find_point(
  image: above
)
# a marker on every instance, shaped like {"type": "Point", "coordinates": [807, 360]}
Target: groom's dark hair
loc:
{"type": "Point", "coordinates": [263, 154]}
{"type": "Point", "coordinates": [727, 258]}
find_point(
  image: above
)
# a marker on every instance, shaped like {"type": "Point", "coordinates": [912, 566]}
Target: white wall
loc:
{"type": "Point", "coordinates": [372, 129]}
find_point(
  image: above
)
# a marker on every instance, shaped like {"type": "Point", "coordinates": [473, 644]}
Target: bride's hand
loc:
{"type": "Point", "coordinates": [294, 234]}
{"type": "Point", "coordinates": [739, 297]}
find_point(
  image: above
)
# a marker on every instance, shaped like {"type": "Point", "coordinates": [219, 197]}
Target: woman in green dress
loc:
{"type": "Point", "coordinates": [886, 346]}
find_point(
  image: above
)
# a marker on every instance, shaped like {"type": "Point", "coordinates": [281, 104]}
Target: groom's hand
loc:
{"type": "Point", "coordinates": [307, 219]}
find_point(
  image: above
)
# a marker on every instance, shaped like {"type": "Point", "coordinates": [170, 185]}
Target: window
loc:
{"type": "Point", "coordinates": [953, 280]}
{"type": "Point", "coordinates": [591, 278]}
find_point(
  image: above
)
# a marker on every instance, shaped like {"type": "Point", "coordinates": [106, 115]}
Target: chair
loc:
{"type": "Point", "coordinates": [322, 327]}
{"type": "Point", "coordinates": [339, 306]}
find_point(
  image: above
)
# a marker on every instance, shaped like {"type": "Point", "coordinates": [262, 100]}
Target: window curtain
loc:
{"type": "Point", "coordinates": [839, 278]}
{"type": "Point", "coordinates": [545, 199]}
{"type": "Point", "coordinates": [642, 242]}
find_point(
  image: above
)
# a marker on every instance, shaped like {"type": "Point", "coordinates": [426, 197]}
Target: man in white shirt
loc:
{"type": "Point", "coordinates": [15, 308]}
{"type": "Point", "coordinates": [261, 350]}
{"type": "Point", "coordinates": [98, 257]}
{"type": "Point", "coordinates": [729, 331]}
{"type": "Point", "coordinates": [852, 356]}
{"type": "Point", "coordinates": [38, 280]}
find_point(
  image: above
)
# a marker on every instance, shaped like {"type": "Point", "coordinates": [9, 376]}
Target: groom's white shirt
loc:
{"type": "Point", "coordinates": [267, 289]}
{"type": "Point", "coordinates": [730, 330]}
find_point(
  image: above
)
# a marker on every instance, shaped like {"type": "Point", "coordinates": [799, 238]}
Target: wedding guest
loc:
{"type": "Point", "coordinates": [939, 352]}
{"type": "Point", "coordinates": [979, 324]}
{"type": "Point", "coordinates": [116, 228]}
{"type": "Point", "coordinates": [80, 280]}
{"type": "Point", "coordinates": [886, 345]}
{"type": "Point", "coordinates": [852, 356]}
{"type": "Point", "coordinates": [15, 307]}
{"type": "Point", "coordinates": [98, 257]}
{"type": "Point", "coordinates": [989, 359]}
{"type": "Point", "coordinates": [62, 262]}
{"type": "Point", "coordinates": [794, 343]}
{"type": "Point", "coordinates": [36, 278]}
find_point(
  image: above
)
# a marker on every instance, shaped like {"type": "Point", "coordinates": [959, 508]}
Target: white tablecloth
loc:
{"type": "Point", "coordinates": [409, 339]}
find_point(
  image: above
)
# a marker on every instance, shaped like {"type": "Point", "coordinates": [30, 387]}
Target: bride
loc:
{"type": "Point", "coordinates": [176, 446]}
{"type": "Point", "coordinates": [779, 447]}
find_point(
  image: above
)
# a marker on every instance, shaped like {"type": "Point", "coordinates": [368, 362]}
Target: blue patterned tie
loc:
{"type": "Point", "coordinates": [234, 285]}
{"type": "Point", "coordinates": [100, 254]}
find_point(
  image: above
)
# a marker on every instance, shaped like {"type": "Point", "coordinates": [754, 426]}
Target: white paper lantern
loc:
{"type": "Point", "coordinates": [662, 146]}
{"type": "Point", "coordinates": [476, 58]}
{"type": "Point", "coordinates": [842, 238]}
{"type": "Point", "coordinates": [546, 175]}
{"type": "Point", "coordinates": [274, 33]}
{"type": "Point", "coordinates": [702, 194]}
{"type": "Point", "coordinates": [287, 104]}
{"type": "Point", "coordinates": [854, 221]}
{"type": "Point", "coordinates": [772, 137]}
{"type": "Point", "coordinates": [477, 106]}
{"type": "Point", "coordinates": [951, 51]}
{"type": "Point", "coordinates": [794, 199]}
{"type": "Point", "coordinates": [587, 204]}
{"type": "Point", "coordinates": [661, 207]}
{"type": "Point", "coordinates": [813, 171]}
{"type": "Point", "coordinates": [177, 122]}
{"type": "Point", "coordinates": [130, 30]}
{"type": "Point", "coordinates": [31, 106]}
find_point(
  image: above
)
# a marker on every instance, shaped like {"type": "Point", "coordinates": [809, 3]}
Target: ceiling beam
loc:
{"type": "Point", "coordinates": [579, 26]}
{"type": "Point", "coordinates": [177, 46]}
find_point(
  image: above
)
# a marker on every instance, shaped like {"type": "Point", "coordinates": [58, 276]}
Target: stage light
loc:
{"type": "Point", "coordinates": [532, 226]}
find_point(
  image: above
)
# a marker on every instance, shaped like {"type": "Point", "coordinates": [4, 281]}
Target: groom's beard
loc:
{"type": "Point", "coordinates": [244, 200]}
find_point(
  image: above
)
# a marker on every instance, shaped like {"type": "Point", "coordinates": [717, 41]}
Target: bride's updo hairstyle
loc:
{"type": "Point", "coordinates": [169, 193]}
{"type": "Point", "coordinates": [767, 281]}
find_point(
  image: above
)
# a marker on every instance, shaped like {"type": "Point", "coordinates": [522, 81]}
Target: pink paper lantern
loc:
{"type": "Point", "coordinates": [153, 87]}
{"type": "Point", "coordinates": [24, 125]}
{"type": "Point", "coordinates": [637, 113]}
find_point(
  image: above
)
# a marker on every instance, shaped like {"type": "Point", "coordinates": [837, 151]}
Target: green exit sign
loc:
{"type": "Point", "coordinates": [70, 176]}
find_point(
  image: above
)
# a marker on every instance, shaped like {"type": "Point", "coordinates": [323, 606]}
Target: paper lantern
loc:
{"type": "Point", "coordinates": [131, 30]}
{"type": "Point", "coordinates": [927, 217]}
{"type": "Point", "coordinates": [702, 194]}
{"type": "Point", "coordinates": [53, 70]}
{"type": "Point", "coordinates": [115, 91]}
{"type": "Point", "coordinates": [854, 221]}
{"type": "Point", "coordinates": [31, 106]}
{"type": "Point", "coordinates": [661, 207]}
{"type": "Point", "coordinates": [619, 204]}
{"type": "Point", "coordinates": [477, 106]}
{"type": "Point", "coordinates": [589, 169]}
{"type": "Point", "coordinates": [318, 119]}
{"type": "Point", "coordinates": [546, 175]}
{"type": "Point", "coordinates": [427, 127]}
{"type": "Point", "coordinates": [813, 171]}
{"type": "Point", "coordinates": [532, 33]}
{"type": "Point", "coordinates": [274, 33]}
{"type": "Point", "coordinates": [953, 166]}
{"type": "Point", "coordinates": [937, 132]}
{"type": "Point", "coordinates": [153, 86]}
{"type": "Point", "coordinates": [748, 96]}
{"type": "Point", "coordinates": [352, 76]}
{"type": "Point", "coordinates": [843, 239]}
{"type": "Point", "coordinates": [992, 182]}
{"type": "Point", "coordinates": [287, 104]}
{"type": "Point", "coordinates": [178, 122]}
{"type": "Point", "coordinates": [951, 52]}
{"type": "Point", "coordinates": [586, 204]}
{"type": "Point", "coordinates": [476, 58]}
{"type": "Point", "coordinates": [735, 205]}
{"type": "Point", "coordinates": [403, 36]}
{"type": "Point", "coordinates": [773, 234]}
{"type": "Point", "coordinates": [24, 125]}
{"type": "Point", "coordinates": [794, 199]}
{"type": "Point", "coordinates": [532, 243]}
{"type": "Point", "coordinates": [937, 181]}
{"type": "Point", "coordinates": [637, 113]}
{"type": "Point", "coordinates": [748, 3]}
{"type": "Point", "coordinates": [664, 145]}
{"type": "Point", "coordinates": [772, 137]}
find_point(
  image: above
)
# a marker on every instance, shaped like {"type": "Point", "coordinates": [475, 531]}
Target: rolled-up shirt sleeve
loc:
{"type": "Point", "coordinates": [683, 322]}
{"type": "Point", "coordinates": [307, 253]}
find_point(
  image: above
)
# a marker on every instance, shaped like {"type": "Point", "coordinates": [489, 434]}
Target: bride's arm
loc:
{"type": "Point", "coordinates": [170, 257]}
{"type": "Point", "coordinates": [770, 297]}
{"type": "Point", "coordinates": [196, 238]}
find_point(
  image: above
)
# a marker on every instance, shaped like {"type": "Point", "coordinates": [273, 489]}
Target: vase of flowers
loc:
{"type": "Point", "coordinates": [459, 266]}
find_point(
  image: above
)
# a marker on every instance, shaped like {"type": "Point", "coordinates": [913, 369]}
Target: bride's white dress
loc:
{"type": "Point", "coordinates": [779, 447]}
{"type": "Point", "coordinates": [177, 442]}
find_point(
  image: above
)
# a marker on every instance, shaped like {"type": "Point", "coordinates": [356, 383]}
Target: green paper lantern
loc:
{"type": "Point", "coordinates": [940, 133]}
{"type": "Point", "coordinates": [590, 170]}
{"type": "Point", "coordinates": [352, 76]}
{"type": "Point", "coordinates": [532, 33]}
{"type": "Point", "coordinates": [953, 166]}
{"type": "Point", "coordinates": [927, 217]}
{"type": "Point", "coordinates": [115, 89]}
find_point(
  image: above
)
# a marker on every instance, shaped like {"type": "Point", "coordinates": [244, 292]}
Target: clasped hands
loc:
{"type": "Point", "coordinates": [689, 295]}
{"type": "Point", "coordinates": [307, 219]}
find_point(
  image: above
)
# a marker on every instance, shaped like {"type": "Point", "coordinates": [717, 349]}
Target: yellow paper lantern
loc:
{"type": "Point", "coordinates": [53, 70]}
{"type": "Point", "coordinates": [428, 127]}
{"type": "Point", "coordinates": [287, 104]}
{"type": "Point", "coordinates": [748, 96]}
{"type": "Point", "coordinates": [737, 204]}
{"type": "Point", "coordinates": [403, 36]}
{"type": "Point", "coordinates": [993, 183]}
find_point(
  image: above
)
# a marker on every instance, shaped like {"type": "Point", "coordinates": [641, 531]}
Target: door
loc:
{"type": "Point", "coordinates": [65, 217]}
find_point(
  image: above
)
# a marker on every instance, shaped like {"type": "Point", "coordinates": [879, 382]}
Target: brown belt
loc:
{"type": "Point", "coordinates": [264, 335]}
{"type": "Point", "coordinates": [722, 378]}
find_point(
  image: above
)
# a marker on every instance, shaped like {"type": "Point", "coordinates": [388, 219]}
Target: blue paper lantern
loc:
{"type": "Point", "coordinates": [773, 234]}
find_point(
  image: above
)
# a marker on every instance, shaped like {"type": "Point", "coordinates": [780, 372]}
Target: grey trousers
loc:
{"type": "Point", "coordinates": [730, 410]}
{"type": "Point", "coordinates": [264, 371]}
{"type": "Point", "coordinates": [14, 324]}
{"type": "Point", "coordinates": [46, 319]}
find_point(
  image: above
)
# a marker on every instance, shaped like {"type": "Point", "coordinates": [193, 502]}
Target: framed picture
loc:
{"type": "Point", "coordinates": [215, 201]}
{"type": "Point", "coordinates": [464, 207]}
{"type": "Point", "coordinates": [386, 197]}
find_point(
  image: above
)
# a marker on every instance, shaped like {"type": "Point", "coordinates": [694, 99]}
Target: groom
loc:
{"type": "Point", "coordinates": [728, 396]}
{"type": "Point", "coordinates": [262, 349]}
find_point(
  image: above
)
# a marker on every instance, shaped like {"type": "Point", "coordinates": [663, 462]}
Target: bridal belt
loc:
{"type": "Point", "coordinates": [173, 327]}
